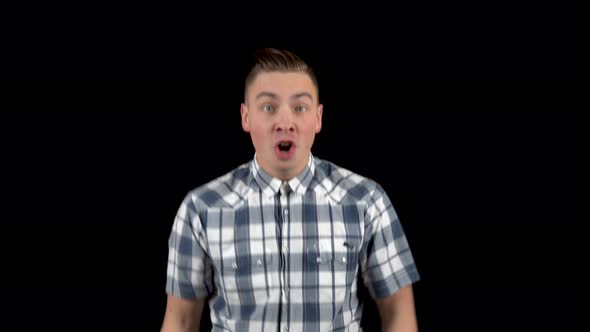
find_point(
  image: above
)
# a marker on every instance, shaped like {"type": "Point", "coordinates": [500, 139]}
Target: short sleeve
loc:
{"type": "Point", "coordinates": [189, 273]}
{"type": "Point", "coordinates": [387, 263]}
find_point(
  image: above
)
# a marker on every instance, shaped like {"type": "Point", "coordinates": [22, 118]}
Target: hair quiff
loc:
{"type": "Point", "coordinates": [271, 59]}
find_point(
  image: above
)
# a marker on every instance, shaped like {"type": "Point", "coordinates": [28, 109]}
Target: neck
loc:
{"type": "Point", "coordinates": [283, 174]}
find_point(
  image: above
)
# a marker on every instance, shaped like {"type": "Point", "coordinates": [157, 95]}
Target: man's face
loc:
{"type": "Point", "coordinates": [282, 114]}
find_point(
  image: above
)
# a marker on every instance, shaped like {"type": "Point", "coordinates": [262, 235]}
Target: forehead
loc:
{"type": "Point", "coordinates": [282, 84]}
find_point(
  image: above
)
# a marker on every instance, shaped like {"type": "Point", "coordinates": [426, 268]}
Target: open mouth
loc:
{"type": "Point", "coordinates": [285, 146]}
{"type": "Point", "coordinates": [285, 149]}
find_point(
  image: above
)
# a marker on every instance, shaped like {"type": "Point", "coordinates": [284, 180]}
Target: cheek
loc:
{"type": "Point", "coordinates": [310, 129]}
{"type": "Point", "coordinates": [259, 135]}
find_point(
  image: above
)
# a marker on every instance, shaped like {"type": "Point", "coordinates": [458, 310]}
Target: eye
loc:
{"type": "Point", "coordinates": [301, 109]}
{"type": "Point", "coordinates": [268, 108]}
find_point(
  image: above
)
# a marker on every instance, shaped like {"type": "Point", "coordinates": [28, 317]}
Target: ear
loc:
{"type": "Point", "coordinates": [245, 120]}
{"type": "Point", "coordinates": [318, 123]}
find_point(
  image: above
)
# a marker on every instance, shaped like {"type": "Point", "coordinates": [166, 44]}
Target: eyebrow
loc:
{"type": "Point", "coordinates": [267, 94]}
{"type": "Point", "coordinates": [302, 94]}
{"type": "Point", "coordinates": [274, 95]}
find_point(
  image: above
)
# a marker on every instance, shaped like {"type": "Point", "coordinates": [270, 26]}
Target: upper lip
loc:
{"type": "Point", "coordinates": [290, 141]}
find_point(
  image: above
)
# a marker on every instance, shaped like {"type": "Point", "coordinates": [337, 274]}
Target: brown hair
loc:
{"type": "Point", "coordinates": [270, 59]}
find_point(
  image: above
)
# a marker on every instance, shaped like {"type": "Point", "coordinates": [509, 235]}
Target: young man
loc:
{"type": "Point", "coordinates": [279, 243]}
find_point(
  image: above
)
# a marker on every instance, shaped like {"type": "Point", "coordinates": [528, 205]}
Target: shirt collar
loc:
{"type": "Point", "coordinates": [270, 185]}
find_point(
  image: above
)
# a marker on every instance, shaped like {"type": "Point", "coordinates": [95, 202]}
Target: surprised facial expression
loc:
{"type": "Point", "coordinates": [282, 114]}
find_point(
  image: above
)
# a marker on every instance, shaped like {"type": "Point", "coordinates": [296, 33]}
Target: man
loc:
{"type": "Point", "coordinates": [279, 243]}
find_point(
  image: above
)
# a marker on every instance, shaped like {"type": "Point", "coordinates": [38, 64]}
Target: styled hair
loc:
{"type": "Point", "coordinates": [270, 59]}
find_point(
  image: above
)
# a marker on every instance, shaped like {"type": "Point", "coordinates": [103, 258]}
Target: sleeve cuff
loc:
{"type": "Point", "coordinates": [384, 288]}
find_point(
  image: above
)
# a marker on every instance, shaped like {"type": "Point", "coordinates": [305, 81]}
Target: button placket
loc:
{"type": "Point", "coordinates": [286, 248]}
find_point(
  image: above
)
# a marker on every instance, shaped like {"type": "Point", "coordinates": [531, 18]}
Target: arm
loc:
{"type": "Point", "coordinates": [397, 311]}
{"type": "Point", "coordinates": [182, 315]}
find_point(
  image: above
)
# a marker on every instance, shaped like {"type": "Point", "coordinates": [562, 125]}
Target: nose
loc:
{"type": "Point", "coordinates": [285, 121]}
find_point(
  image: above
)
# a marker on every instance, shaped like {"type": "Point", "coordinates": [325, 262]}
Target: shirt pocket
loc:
{"type": "Point", "coordinates": [342, 253]}
{"type": "Point", "coordinates": [336, 263]}
{"type": "Point", "coordinates": [247, 279]}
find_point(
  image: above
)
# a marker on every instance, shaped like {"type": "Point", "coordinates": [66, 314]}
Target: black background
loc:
{"type": "Point", "coordinates": [489, 177]}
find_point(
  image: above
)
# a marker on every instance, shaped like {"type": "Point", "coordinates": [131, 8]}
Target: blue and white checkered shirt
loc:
{"type": "Point", "coordinates": [275, 255]}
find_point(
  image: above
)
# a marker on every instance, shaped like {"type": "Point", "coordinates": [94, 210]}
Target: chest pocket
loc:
{"type": "Point", "coordinates": [246, 279]}
{"type": "Point", "coordinates": [334, 254]}
{"type": "Point", "coordinates": [337, 254]}
{"type": "Point", "coordinates": [243, 263]}
{"type": "Point", "coordinates": [336, 264]}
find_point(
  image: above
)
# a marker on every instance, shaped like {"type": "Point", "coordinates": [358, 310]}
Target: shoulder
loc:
{"type": "Point", "coordinates": [343, 184]}
{"type": "Point", "coordinates": [225, 191]}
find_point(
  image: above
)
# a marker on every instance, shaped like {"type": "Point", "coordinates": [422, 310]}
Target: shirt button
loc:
{"type": "Point", "coordinates": [286, 212]}
{"type": "Point", "coordinates": [285, 329]}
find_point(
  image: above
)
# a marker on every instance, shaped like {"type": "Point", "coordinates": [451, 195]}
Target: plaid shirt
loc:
{"type": "Point", "coordinates": [279, 256]}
